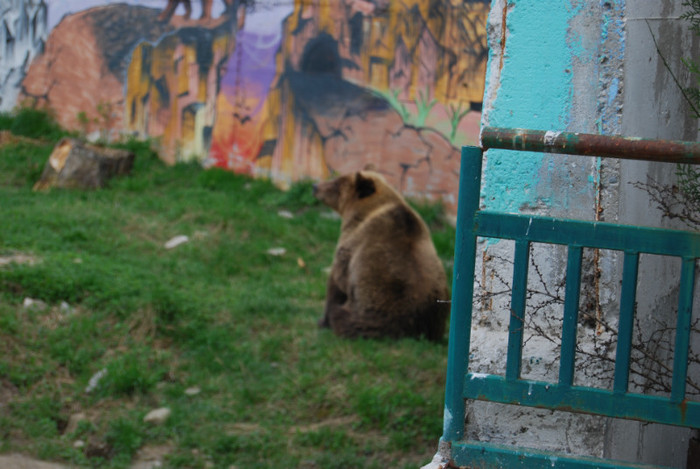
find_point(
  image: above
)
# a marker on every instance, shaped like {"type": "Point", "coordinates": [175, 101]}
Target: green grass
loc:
{"type": "Point", "coordinates": [218, 313]}
{"type": "Point", "coordinates": [32, 123]}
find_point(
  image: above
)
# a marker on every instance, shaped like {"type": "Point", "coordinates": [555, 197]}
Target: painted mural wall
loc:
{"type": "Point", "coordinates": [23, 32]}
{"type": "Point", "coordinates": [287, 89]}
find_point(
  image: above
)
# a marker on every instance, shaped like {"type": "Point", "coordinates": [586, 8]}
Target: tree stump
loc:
{"type": "Point", "coordinates": [77, 165]}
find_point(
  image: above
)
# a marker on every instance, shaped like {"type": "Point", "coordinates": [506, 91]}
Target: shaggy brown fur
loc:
{"type": "Point", "coordinates": [386, 279]}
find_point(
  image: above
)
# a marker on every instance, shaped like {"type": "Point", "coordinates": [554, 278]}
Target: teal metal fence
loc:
{"type": "Point", "coordinates": [563, 394]}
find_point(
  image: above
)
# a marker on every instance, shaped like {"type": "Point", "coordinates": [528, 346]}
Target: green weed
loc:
{"type": "Point", "coordinates": [124, 437]}
{"type": "Point", "coordinates": [136, 371]}
{"type": "Point", "coordinates": [32, 123]}
{"type": "Point", "coordinates": [21, 165]}
{"type": "Point", "coordinates": [456, 114]}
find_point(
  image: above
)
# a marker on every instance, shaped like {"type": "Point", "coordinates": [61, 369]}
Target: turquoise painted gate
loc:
{"type": "Point", "coordinates": [511, 388]}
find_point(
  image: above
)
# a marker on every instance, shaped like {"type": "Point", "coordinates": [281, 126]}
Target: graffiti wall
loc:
{"type": "Point", "coordinates": [287, 89]}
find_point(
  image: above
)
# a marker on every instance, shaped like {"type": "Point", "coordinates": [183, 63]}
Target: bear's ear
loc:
{"type": "Point", "coordinates": [364, 186]}
{"type": "Point", "coordinates": [370, 167]}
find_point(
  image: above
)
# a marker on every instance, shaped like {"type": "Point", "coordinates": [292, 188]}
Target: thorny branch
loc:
{"type": "Point", "coordinates": [673, 202]}
{"type": "Point", "coordinates": [682, 89]}
{"type": "Point", "coordinates": [651, 347]}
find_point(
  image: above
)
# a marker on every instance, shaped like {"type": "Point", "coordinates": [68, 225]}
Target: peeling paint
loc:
{"type": "Point", "coordinates": [533, 59]}
{"type": "Point", "coordinates": [545, 47]}
{"type": "Point", "coordinates": [447, 420]}
{"type": "Point", "coordinates": [550, 137]}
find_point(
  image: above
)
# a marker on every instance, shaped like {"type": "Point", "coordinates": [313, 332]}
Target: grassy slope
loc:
{"type": "Point", "coordinates": [218, 313]}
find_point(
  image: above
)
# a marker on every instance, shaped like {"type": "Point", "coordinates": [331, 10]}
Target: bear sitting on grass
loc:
{"type": "Point", "coordinates": [386, 279]}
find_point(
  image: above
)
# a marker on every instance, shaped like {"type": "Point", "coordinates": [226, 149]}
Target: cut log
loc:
{"type": "Point", "coordinates": [77, 165]}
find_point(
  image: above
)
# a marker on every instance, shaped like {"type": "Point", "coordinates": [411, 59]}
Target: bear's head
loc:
{"type": "Point", "coordinates": [353, 192]}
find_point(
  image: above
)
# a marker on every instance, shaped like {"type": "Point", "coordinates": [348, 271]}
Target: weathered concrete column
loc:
{"type": "Point", "coordinates": [587, 67]}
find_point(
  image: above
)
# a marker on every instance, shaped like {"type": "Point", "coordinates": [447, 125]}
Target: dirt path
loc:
{"type": "Point", "coordinates": [148, 458]}
{"type": "Point", "coordinates": [17, 461]}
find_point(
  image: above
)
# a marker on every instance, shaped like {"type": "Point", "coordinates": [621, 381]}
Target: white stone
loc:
{"type": "Point", "coordinates": [95, 380]}
{"type": "Point", "coordinates": [65, 308]}
{"type": "Point", "coordinates": [193, 391]}
{"type": "Point", "coordinates": [30, 303]}
{"type": "Point", "coordinates": [176, 241]}
{"type": "Point", "coordinates": [277, 251]}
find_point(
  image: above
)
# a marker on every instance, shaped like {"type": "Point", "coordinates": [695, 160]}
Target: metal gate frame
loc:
{"type": "Point", "coordinates": [563, 395]}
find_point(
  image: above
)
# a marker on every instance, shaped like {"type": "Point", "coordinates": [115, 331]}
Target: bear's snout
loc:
{"type": "Point", "coordinates": [328, 193]}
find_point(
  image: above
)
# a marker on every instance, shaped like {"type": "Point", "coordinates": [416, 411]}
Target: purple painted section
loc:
{"type": "Point", "coordinates": [252, 67]}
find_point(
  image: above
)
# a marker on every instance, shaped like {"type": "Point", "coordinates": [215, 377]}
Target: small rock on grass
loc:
{"type": "Point", "coordinates": [157, 416]}
{"type": "Point", "coordinates": [31, 303]}
{"type": "Point", "coordinates": [192, 391]}
{"type": "Point", "coordinates": [176, 241]}
{"type": "Point", "coordinates": [95, 380]}
{"type": "Point", "coordinates": [65, 308]}
{"type": "Point", "coordinates": [277, 251]}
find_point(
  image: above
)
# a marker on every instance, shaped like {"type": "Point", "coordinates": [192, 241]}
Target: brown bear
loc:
{"type": "Point", "coordinates": [386, 279]}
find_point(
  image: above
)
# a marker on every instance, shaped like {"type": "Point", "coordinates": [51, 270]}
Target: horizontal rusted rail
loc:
{"type": "Point", "coordinates": [669, 151]}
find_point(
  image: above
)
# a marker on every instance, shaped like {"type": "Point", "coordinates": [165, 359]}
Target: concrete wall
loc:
{"type": "Point", "coordinates": [545, 72]}
{"type": "Point", "coordinates": [654, 108]}
{"type": "Point", "coordinates": [585, 67]}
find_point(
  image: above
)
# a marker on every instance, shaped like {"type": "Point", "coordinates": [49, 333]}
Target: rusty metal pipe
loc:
{"type": "Point", "coordinates": [668, 151]}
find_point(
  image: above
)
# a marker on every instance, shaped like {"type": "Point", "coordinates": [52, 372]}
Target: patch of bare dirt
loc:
{"type": "Point", "coordinates": [150, 457]}
{"type": "Point", "coordinates": [19, 461]}
{"type": "Point", "coordinates": [344, 422]}
{"type": "Point", "coordinates": [17, 258]}
{"type": "Point", "coordinates": [8, 138]}
{"type": "Point", "coordinates": [7, 392]}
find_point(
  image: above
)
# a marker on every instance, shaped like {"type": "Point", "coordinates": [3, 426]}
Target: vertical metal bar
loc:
{"type": "Point", "coordinates": [517, 309]}
{"type": "Point", "coordinates": [626, 324]}
{"type": "Point", "coordinates": [462, 293]}
{"type": "Point", "coordinates": [572, 293]}
{"type": "Point", "coordinates": [685, 313]}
